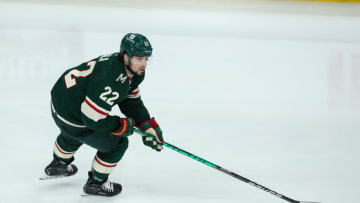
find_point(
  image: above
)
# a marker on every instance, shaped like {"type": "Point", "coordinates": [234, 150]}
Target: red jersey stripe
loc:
{"type": "Point", "coordinates": [134, 93]}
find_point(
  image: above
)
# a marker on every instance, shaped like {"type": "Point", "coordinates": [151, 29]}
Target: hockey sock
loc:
{"type": "Point", "coordinates": [98, 177]}
{"type": "Point", "coordinates": [101, 169]}
{"type": "Point", "coordinates": [61, 154]}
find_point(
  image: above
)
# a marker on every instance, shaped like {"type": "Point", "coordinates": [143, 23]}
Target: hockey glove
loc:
{"type": "Point", "coordinates": [155, 139]}
{"type": "Point", "coordinates": [126, 127]}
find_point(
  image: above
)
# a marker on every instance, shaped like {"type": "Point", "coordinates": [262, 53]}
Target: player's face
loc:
{"type": "Point", "coordinates": [138, 64]}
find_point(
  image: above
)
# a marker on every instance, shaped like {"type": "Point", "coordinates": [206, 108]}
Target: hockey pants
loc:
{"type": "Point", "coordinates": [110, 148]}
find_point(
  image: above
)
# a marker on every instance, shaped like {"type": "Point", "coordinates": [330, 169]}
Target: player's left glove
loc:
{"type": "Point", "coordinates": [126, 127]}
{"type": "Point", "coordinates": [155, 139]}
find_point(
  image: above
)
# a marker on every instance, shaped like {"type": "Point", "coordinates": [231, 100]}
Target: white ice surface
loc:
{"type": "Point", "coordinates": [274, 98]}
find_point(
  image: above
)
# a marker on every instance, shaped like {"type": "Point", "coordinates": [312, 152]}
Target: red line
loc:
{"type": "Point", "coordinates": [134, 93]}
{"type": "Point", "coordinates": [61, 150]}
{"type": "Point", "coordinates": [93, 107]}
{"type": "Point", "coordinates": [109, 166]}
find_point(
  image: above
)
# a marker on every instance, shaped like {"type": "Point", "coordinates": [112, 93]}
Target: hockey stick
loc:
{"type": "Point", "coordinates": [225, 171]}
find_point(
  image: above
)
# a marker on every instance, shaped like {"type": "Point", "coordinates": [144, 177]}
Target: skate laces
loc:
{"type": "Point", "coordinates": [108, 186]}
{"type": "Point", "coordinates": [69, 168]}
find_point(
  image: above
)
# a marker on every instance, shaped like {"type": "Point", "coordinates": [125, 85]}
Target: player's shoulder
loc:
{"type": "Point", "coordinates": [105, 66]}
{"type": "Point", "coordinates": [108, 58]}
{"type": "Point", "coordinates": [108, 61]}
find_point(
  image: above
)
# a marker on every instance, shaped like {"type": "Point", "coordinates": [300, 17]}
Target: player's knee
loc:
{"type": "Point", "coordinates": [121, 146]}
{"type": "Point", "coordinates": [120, 149]}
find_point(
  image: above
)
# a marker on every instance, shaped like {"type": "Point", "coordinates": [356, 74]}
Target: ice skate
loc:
{"type": "Point", "coordinates": [104, 188]}
{"type": "Point", "coordinates": [57, 169]}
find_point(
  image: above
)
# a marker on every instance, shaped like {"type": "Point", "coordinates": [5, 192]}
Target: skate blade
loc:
{"type": "Point", "coordinates": [90, 195]}
{"type": "Point", "coordinates": [46, 177]}
{"type": "Point", "coordinates": [85, 195]}
{"type": "Point", "coordinates": [99, 196]}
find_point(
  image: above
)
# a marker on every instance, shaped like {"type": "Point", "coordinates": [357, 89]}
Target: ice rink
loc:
{"type": "Point", "coordinates": [270, 91]}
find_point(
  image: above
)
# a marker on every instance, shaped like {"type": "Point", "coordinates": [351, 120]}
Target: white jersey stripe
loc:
{"type": "Point", "coordinates": [95, 106]}
{"type": "Point", "coordinates": [91, 113]}
{"type": "Point", "coordinates": [91, 110]}
{"type": "Point", "coordinates": [64, 120]}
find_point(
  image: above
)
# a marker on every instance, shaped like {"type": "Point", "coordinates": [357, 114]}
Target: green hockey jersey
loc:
{"type": "Point", "coordinates": [84, 95]}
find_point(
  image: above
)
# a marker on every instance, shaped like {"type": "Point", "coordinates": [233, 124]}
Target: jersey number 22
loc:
{"type": "Point", "coordinates": [70, 77]}
{"type": "Point", "coordinates": [70, 81]}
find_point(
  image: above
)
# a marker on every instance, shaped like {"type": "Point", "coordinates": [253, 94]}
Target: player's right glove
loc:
{"type": "Point", "coordinates": [155, 139]}
{"type": "Point", "coordinates": [126, 127]}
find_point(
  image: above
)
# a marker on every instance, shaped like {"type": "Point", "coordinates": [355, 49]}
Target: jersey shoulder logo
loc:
{"type": "Point", "coordinates": [121, 78]}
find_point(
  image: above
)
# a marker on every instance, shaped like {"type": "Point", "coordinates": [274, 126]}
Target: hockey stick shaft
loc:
{"type": "Point", "coordinates": [208, 163]}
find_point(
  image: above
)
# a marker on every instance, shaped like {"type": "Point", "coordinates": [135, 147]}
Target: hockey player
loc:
{"type": "Point", "coordinates": [81, 101]}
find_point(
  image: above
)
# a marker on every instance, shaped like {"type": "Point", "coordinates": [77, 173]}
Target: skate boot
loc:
{"type": "Point", "coordinates": [59, 169]}
{"type": "Point", "coordinates": [104, 188]}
